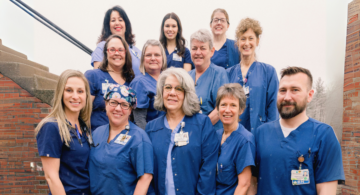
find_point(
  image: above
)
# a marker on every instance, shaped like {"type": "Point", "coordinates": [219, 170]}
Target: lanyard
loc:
{"type": "Point", "coordinates": [84, 129]}
{"type": "Point", "coordinates": [78, 135]}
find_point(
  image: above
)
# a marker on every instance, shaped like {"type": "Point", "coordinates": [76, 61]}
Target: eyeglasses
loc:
{"type": "Point", "coordinates": [113, 50]}
{"type": "Point", "coordinates": [178, 90]}
{"type": "Point", "coordinates": [216, 20]}
{"type": "Point", "coordinates": [123, 105]}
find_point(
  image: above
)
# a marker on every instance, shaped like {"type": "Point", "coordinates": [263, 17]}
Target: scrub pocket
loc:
{"type": "Point", "coordinates": [115, 166]}
{"type": "Point", "coordinates": [309, 160]}
{"type": "Point", "coordinates": [226, 174]}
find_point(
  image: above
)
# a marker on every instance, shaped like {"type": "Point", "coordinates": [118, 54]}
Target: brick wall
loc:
{"type": "Point", "coordinates": [20, 165]}
{"type": "Point", "coordinates": [350, 143]}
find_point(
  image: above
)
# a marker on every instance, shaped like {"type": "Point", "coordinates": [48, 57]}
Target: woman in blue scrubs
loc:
{"type": "Point", "coordinates": [62, 137]}
{"type": "Point", "coordinates": [226, 52]}
{"type": "Point", "coordinates": [122, 163]}
{"type": "Point", "coordinates": [174, 43]}
{"type": "Point", "coordinates": [153, 61]}
{"type": "Point", "coordinates": [115, 69]}
{"type": "Point", "coordinates": [237, 151]}
{"type": "Point", "coordinates": [259, 80]}
{"type": "Point", "coordinates": [116, 22]}
{"type": "Point", "coordinates": [207, 76]}
{"type": "Point", "coordinates": [185, 144]}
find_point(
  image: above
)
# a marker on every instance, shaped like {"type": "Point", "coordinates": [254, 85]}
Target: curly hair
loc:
{"type": "Point", "coordinates": [246, 24]}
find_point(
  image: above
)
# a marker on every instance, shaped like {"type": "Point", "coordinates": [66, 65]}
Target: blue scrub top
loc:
{"type": "Point", "coordinates": [98, 55]}
{"type": "Point", "coordinates": [236, 153]}
{"type": "Point", "coordinates": [177, 61]}
{"type": "Point", "coordinates": [145, 88]}
{"type": "Point", "coordinates": [193, 165]}
{"type": "Point", "coordinates": [98, 80]}
{"type": "Point", "coordinates": [207, 87]}
{"type": "Point", "coordinates": [220, 57]}
{"type": "Point", "coordinates": [276, 156]}
{"type": "Point", "coordinates": [227, 56]}
{"type": "Point", "coordinates": [116, 168]}
{"type": "Point", "coordinates": [73, 171]}
{"type": "Point", "coordinates": [263, 85]}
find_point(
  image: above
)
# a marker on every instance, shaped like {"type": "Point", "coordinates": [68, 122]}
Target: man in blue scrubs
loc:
{"type": "Point", "coordinates": [297, 154]}
{"type": "Point", "coordinates": [207, 76]}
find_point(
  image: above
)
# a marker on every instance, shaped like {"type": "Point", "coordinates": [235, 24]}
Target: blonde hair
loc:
{"type": "Point", "coordinates": [58, 114]}
{"type": "Point", "coordinates": [152, 42]}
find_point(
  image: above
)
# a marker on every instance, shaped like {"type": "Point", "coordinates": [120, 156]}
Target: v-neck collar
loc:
{"type": "Point", "coordinates": [168, 53]}
{"type": "Point", "coordinates": [292, 134]}
{"type": "Point", "coordinates": [202, 75]}
{"type": "Point", "coordinates": [252, 66]}
{"type": "Point", "coordinates": [227, 141]}
{"type": "Point", "coordinates": [148, 75]}
{"type": "Point", "coordinates": [113, 80]}
{"type": "Point", "coordinates": [107, 134]}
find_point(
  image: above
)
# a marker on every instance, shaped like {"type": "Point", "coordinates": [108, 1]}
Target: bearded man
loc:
{"type": "Point", "coordinates": [296, 154]}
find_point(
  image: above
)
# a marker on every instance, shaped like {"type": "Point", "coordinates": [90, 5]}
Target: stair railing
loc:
{"type": "Point", "coordinates": [37, 16]}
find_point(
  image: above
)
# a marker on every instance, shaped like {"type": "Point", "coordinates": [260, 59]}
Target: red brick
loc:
{"type": "Point", "coordinates": [19, 112]}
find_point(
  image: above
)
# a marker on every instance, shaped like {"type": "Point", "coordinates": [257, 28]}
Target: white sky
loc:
{"type": "Point", "coordinates": [307, 33]}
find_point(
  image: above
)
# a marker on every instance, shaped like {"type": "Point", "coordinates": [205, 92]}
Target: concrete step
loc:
{"type": "Point", "coordinates": [14, 69]}
{"type": "Point", "coordinates": [45, 95]}
{"type": "Point", "coordinates": [11, 51]}
{"type": "Point", "coordinates": [38, 86]}
{"type": "Point", "coordinates": [8, 57]}
{"type": "Point", "coordinates": [35, 82]}
{"type": "Point", "coordinates": [6, 49]}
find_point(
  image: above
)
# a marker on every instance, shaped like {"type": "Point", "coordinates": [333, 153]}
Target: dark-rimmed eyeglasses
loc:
{"type": "Point", "coordinates": [123, 105]}
{"type": "Point", "coordinates": [216, 20]}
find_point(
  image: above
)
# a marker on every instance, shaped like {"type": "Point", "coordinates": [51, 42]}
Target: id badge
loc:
{"type": "Point", "coordinates": [122, 139]}
{"type": "Point", "coordinates": [104, 87]}
{"type": "Point", "coordinates": [181, 139]}
{"type": "Point", "coordinates": [300, 177]}
{"type": "Point", "coordinates": [177, 57]}
{"type": "Point", "coordinates": [246, 90]}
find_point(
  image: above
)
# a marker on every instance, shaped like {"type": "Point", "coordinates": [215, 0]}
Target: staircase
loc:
{"type": "Point", "coordinates": [31, 76]}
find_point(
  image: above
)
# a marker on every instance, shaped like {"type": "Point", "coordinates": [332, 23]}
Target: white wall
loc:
{"type": "Point", "coordinates": [295, 33]}
{"type": "Point", "coordinates": [307, 33]}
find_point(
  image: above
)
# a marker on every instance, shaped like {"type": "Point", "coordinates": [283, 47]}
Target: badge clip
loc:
{"type": "Point", "coordinates": [127, 131]}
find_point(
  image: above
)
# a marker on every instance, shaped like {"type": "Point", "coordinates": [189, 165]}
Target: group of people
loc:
{"type": "Point", "coordinates": [169, 120]}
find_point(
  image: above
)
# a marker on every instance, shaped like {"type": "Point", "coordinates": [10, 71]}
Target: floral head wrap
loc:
{"type": "Point", "coordinates": [122, 92]}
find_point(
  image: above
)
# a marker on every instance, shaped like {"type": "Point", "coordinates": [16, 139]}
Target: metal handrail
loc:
{"type": "Point", "coordinates": [37, 16]}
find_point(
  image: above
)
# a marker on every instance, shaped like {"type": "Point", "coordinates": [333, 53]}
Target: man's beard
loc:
{"type": "Point", "coordinates": [290, 112]}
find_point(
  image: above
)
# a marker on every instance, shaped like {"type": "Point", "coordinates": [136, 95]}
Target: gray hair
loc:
{"type": "Point", "coordinates": [152, 42]}
{"type": "Point", "coordinates": [234, 90]}
{"type": "Point", "coordinates": [191, 104]}
{"type": "Point", "coordinates": [204, 36]}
